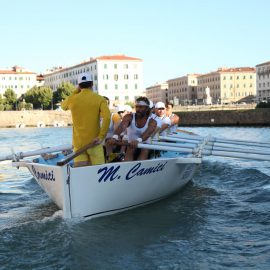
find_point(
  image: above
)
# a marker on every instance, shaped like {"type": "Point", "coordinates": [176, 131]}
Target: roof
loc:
{"type": "Point", "coordinates": [263, 64]}
{"type": "Point", "coordinates": [14, 72]}
{"type": "Point", "coordinates": [119, 57]}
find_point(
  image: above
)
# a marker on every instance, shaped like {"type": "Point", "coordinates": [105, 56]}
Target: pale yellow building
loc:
{"type": "Point", "coordinates": [228, 85]}
{"type": "Point", "coordinates": [183, 90]}
{"type": "Point", "coordinates": [18, 79]}
{"type": "Point", "coordinates": [157, 92]}
{"type": "Point", "coordinates": [263, 81]}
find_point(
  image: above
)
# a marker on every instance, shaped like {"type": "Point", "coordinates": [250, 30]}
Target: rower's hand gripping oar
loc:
{"type": "Point", "coordinates": [77, 153]}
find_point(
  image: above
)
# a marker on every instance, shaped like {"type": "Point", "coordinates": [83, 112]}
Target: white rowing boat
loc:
{"type": "Point", "coordinates": [94, 191]}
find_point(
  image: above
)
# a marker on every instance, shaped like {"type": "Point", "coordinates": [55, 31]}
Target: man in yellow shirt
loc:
{"type": "Point", "coordinates": [86, 109]}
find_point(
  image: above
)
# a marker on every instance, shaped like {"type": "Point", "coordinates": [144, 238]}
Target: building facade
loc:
{"type": "Point", "coordinates": [118, 77]}
{"type": "Point", "coordinates": [18, 79]}
{"type": "Point", "coordinates": [183, 90]}
{"type": "Point", "coordinates": [157, 92]}
{"type": "Point", "coordinates": [263, 81]}
{"type": "Point", "coordinates": [227, 85]}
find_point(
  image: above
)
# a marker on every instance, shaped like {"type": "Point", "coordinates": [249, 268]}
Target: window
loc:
{"type": "Point", "coordinates": [106, 86]}
{"type": "Point", "coordinates": [237, 78]}
{"type": "Point", "coordinates": [230, 77]}
{"type": "Point", "coordinates": [105, 66]}
{"type": "Point", "coordinates": [224, 78]}
{"type": "Point", "coordinates": [136, 86]}
{"type": "Point", "coordinates": [125, 66]}
{"type": "Point", "coordinates": [115, 66]}
{"type": "Point", "coordinates": [126, 86]}
{"type": "Point", "coordinates": [126, 98]}
{"type": "Point", "coordinates": [135, 76]}
{"type": "Point", "coordinates": [126, 76]}
{"type": "Point", "coordinates": [115, 77]}
{"type": "Point", "coordinates": [244, 77]}
{"type": "Point", "coordinates": [116, 98]}
{"type": "Point", "coordinates": [116, 86]}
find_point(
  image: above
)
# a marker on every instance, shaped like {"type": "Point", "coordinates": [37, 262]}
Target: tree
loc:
{"type": "Point", "coordinates": [11, 99]}
{"type": "Point", "coordinates": [63, 90]}
{"type": "Point", "coordinates": [1, 103]}
{"type": "Point", "coordinates": [40, 97]}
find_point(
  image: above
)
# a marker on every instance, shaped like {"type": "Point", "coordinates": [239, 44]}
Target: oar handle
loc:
{"type": "Point", "coordinates": [75, 154]}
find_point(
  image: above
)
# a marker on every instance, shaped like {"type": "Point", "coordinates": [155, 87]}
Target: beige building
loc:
{"type": "Point", "coordinates": [119, 77]}
{"type": "Point", "coordinates": [183, 90]}
{"type": "Point", "coordinates": [18, 79]}
{"type": "Point", "coordinates": [157, 92]}
{"type": "Point", "coordinates": [227, 85]}
{"type": "Point", "coordinates": [263, 81]}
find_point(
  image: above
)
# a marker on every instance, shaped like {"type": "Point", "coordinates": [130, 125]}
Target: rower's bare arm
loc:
{"type": "Point", "coordinates": [175, 120]}
{"type": "Point", "coordinates": [163, 127]}
{"type": "Point", "coordinates": [124, 124]}
{"type": "Point", "coordinates": [152, 125]}
{"type": "Point", "coordinates": [121, 128]}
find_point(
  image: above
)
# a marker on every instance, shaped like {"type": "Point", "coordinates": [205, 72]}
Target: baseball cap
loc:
{"type": "Point", "coordinates": [121, 108]}
{"type": "Point", "coordinates": [85, 77]}
{"type": "Point", "coordinates": [159, 105]}
{"type": "Point", "coordinates": [128, 108]}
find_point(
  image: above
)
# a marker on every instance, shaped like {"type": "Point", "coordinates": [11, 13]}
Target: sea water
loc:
{"type": "Point", "coordinates": [220, 220]}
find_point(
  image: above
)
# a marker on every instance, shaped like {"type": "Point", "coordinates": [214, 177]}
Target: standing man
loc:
{"type": "Point", "coordinates": [87, 108]}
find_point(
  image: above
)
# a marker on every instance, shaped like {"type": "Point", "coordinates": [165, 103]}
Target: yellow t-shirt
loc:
{"type": "Point", "coordinates": [116, 119]}
{"type": "Point", "coordinates": [86, 109]}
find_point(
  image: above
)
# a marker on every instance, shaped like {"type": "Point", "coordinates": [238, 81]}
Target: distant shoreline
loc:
{"type": "Point", "coordinates": [39, 118]}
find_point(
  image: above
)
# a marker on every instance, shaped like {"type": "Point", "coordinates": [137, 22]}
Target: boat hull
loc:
{"type": "Point", "coordinates": [110, 188]}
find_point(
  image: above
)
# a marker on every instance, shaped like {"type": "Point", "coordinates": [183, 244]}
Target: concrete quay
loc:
{"type": "Point", "coordinates": [39, 118]}
{"type": "Point", "coordinates": [258, 117]}
{"type": "Point", "coordinates": [36, 118]}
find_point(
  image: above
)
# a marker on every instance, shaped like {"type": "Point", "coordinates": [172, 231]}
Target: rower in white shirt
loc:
{"type": "Point", "coordinates": [163, 122]}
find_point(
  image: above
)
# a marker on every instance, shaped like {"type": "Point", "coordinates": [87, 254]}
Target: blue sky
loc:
{"type": "Point", "coordinates": [173, 37]}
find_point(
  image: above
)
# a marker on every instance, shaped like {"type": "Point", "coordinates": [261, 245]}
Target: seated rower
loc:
{"type": "Point", "coordinates": [163, 122]}
{"type": "Point", "coordinates": [140, 126]}
{"type": "Point", "coordinates": [175, 119]}
{"type": "Point", "coordinates": [116, 119]}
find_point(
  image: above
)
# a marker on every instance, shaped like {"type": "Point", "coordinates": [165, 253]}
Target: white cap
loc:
{"type": "Point", "coordinates": [151, 104]}
{"type": "Point", "coordinates": [85, 77]}
{"type": "Point", "coordinates": [160, 105]}
{"type": "Point", "coordinates": [121, 108]}
{"type": "Point", "coordinates": [128, 108]}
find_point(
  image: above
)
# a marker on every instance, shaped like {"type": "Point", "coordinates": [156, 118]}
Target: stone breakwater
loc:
{"type": "Point", "coordinates": [258, 117]}
{"type": "Point", "coordinates": [39, 118]}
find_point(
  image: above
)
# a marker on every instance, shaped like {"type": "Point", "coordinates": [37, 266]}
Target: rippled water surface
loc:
{"type": "Point", "coordinates": [220, 220]}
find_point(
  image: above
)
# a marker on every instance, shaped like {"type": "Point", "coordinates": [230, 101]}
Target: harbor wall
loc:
{"type": "Point", "coordinates": [39, 118]}
{"type": "Point", "coordinates": [258, 117]}
{"type": "Point", "coordinates": [35, 118]}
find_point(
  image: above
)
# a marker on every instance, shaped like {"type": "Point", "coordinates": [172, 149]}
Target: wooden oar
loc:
{"type": "Point", "coordinates": [75, 154]}
{"type": "Point", "coordinates": [20, 155]}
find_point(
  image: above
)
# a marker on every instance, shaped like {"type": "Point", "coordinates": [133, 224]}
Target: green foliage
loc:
{"type": "Point", "coordinates": [263, 105]}
{"type": "Point", "coordinates": [130, 103]}
{"type": "Point", "coordinates": [10, 99]}
{"type": "Point", "coordinates": [40, 97]}
{"type": "Point", "coordinates": [64, 90]}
